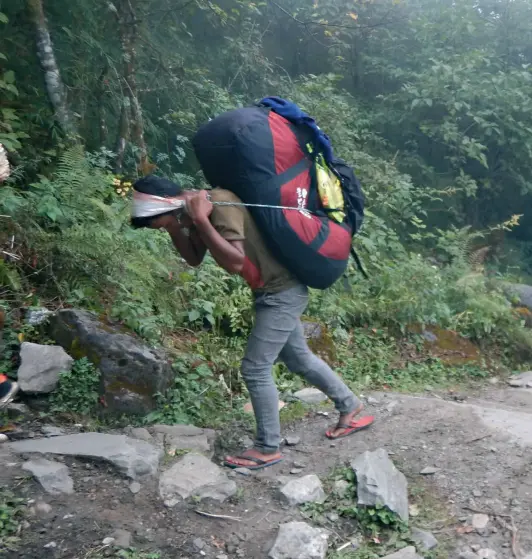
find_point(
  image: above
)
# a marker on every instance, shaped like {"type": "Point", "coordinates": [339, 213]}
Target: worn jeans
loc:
{"type": "Point", "coordinates": [278, 333]}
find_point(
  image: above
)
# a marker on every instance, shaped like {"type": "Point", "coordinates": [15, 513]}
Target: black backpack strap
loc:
{"type": "Point", "coordinates": [359, 263]}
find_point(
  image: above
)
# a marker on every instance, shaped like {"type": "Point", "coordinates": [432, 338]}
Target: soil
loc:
{"type": "Point", "coordinates": [480, 444]}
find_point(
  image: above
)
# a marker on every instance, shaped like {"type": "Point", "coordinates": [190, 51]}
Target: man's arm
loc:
{"type": "Point", "coordinates": [190, 247]}
{"type": "Point", "coordinates": [229, 254]}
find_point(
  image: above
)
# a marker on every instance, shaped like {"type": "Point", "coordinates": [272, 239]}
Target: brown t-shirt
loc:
{"type": "Point", "coordinates": [234, 223]}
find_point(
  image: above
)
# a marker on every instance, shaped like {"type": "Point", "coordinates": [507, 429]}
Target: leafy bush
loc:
{"type": "Point", "coordinates": [78, 389]}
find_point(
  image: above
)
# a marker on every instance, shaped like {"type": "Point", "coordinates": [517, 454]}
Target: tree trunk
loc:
{"type": "Point", "coordinates": [52, 78]}
{"type": "Point", "coordinates": [128, 25]}
{"type": "Point", "coordinates": [123, 135]}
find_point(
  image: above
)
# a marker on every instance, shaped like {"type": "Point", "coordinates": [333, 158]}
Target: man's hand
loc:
{"type": "Point", "coordinates": [199, 207]}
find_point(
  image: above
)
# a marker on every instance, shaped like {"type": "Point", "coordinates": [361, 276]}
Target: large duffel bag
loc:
{"type": "Point", "coordinates": [264, 159]}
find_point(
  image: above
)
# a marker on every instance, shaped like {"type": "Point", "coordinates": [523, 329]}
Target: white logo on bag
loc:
{"type": "Point", "coordinates": [302, 201]}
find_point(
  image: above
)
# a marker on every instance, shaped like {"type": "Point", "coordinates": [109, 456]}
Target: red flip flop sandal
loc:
{"type": "Point", "coordinates": [353, 427]}
{"type": "Point", "coordinates": [260, 464]}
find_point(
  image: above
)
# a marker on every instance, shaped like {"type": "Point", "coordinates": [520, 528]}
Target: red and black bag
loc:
{"type": "Point", "coordinates": [263, 159]}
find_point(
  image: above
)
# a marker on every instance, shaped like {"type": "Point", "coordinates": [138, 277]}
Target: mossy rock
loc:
{"type": "Point", "coordinates": [319, 340]}
{"type": "Point", "coordinates": [447, 345]}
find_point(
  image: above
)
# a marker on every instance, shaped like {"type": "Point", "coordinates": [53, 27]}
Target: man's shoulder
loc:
{"type": "Point", "coordinates": [222, 195]}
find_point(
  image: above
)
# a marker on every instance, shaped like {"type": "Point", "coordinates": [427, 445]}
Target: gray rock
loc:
{"type": "Point", "coordinates": [40, 366]}
{"type": "Point", "coordinates": [306, 489]}
{"type": "Point", "coordinates": [132, 372]}
{"type": "Point", "coordinates": [310, 396]}
{"type": "Point", "coordinates": [379, 482]}
{"type": "Point", "coordinates": [298, 540]}
{"type": "Point", "coordinates": [429, 471]}
{"type": "Point", "coordinates": [199, 544]}
{"type": "Point", "coordinates": [122, 538]}
{"type": "Point", "coordinates": [467, 555]}
{"type": "Point", "coordinates": [341, 487]}
{"type": "Point", "coordinates": [521, 293]}
{"type": "Point", "coordinates": [35, 317]}
{"type": "Point", "coordinates": [17, 409]}
{"type": "Point", "coordinates": [292, 440]}
{"type": "Point", "coordinates": [480, 521]}
{"type": "Point", "coordinates": [178, 430]}
{"type": "Point", "coordinates": [131, 457]}
{"type": "Point", "coordinates": [197, 443]}
{"type": "Point", "coordinates": [405, 553]}
{"type": "Point", "coordinates": [52, 431]}
{"type": "Point", "coordinates": [140, 433]}
{"type": "Point", "coordinates": [524, 380]}
{"type": "Point", "coordinates": [41, 508]}
{"type": "Point", "coordinates": [53, 476]}
{"type": "Point", "coordinates": [486, 554]}
{"type": "Point", "coordinates": [425, 540]}
{"type": "Point", "coordinates": [195, 475]}
{"type": "Point", "coordinates": [135, 487]}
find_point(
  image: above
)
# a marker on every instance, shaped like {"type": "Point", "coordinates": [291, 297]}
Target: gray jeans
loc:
{"type": "Point", "coordinates": [278, 333]}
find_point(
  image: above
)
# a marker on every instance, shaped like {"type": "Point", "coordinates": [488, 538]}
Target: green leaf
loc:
{"type": "Point", "coordinates": [3, 18]}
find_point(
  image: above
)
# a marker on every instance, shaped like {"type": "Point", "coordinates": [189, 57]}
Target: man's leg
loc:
{"type": "Point", "coordinates": [298, 357]}
{"type": "Point", "coordinates": [276, 317]}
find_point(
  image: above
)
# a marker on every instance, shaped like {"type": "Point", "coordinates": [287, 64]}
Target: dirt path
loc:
{"type": "Point", "coordinates": [481, 448]}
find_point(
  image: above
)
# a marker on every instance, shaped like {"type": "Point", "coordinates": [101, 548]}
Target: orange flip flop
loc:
{"type": "Point", "coordinates": [353, 427]}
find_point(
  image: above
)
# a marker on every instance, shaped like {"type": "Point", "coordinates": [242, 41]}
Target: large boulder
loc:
{"type": "Point", "coordinates": [40, 367]}
{"type": "Point", "coordinates": [132, 372]}
{"type": "Point", "coordinates": [519, 293]}
{"type": "Point", "coordinates": [131, 457]}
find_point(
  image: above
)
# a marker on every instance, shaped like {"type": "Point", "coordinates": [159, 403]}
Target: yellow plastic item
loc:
{"type": "Point", "coordinates": [329, 189]}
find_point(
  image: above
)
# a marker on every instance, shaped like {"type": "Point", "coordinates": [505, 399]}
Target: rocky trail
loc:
{"type": "Point", "coordinates": [160, 491]}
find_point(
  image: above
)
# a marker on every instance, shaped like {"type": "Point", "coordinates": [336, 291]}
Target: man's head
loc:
{"type": "Point", "coordinates": [162, 188]}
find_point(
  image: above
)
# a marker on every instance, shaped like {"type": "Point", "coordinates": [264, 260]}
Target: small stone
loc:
{"type": "Point", "coordinates": [108, 541]}
{"type": "Point", "coordinates": [222, 556]}
{"type": "Point", "coordinates": [524, 380]}
{"type": "Point", "coordinates": [68, 516]}
{"type": "Point", "coordinates": [494, 380]}
{"type": "Point", "coordinates": [122, 538]}
{"type": "Point", "coordinates": [480, 521]}
{"type": "Point", "coordinates": [486, 553]}
{"type": "Point", "coordinates": [3, 438]}
{"type": "Point", "coordinates": [296, 471]}
{"type": "Point", "coordinates": [42, 508]}
{"type": "Point", "coordinates": [477, 493]}
{"type": "Point", "coordinates": [298, 540]}
{"type": "Point", "coordinates": [135, 487]}
{"type": "Point", "coordinates": [51, 431]}
{"type": "Point", "coordinates": [195, 475]}
{"type": "Point", "coordinates": [372, 401]}
{"type": "Point", "coordinates": [311, 396]}
{"type": "Point", "coordinates": [475, 547]}
{"type": "Point", "coordinates": [199, 544]}
{"type": "Point", "coordinates": [429, 471]}
{"type": "Point", "coordinates": [292, 440]}
{"type": "Point", "coordinates": [51, 545]}
{"type": "Point", "coordinates": [425, 540]}
{"type": "Point", "coordinates": [468, 555]}
{"type": "Point", "coordinates": [141, 433]}
{"type": "Point", "coordinates": [244, 471]}
{"type": "Point", "coordinates": [307, 489]}
{"type": "Point", "coordinates": [333, 516]}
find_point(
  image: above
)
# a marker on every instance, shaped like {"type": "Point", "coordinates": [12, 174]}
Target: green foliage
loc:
{"type": "Point", "coordinates": [78, 390]}
{"type": "Point", "coordinates": [11, 516]}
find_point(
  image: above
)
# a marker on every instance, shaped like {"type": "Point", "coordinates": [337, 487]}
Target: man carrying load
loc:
{"type": "Point", "coordinates": [219, 222]}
